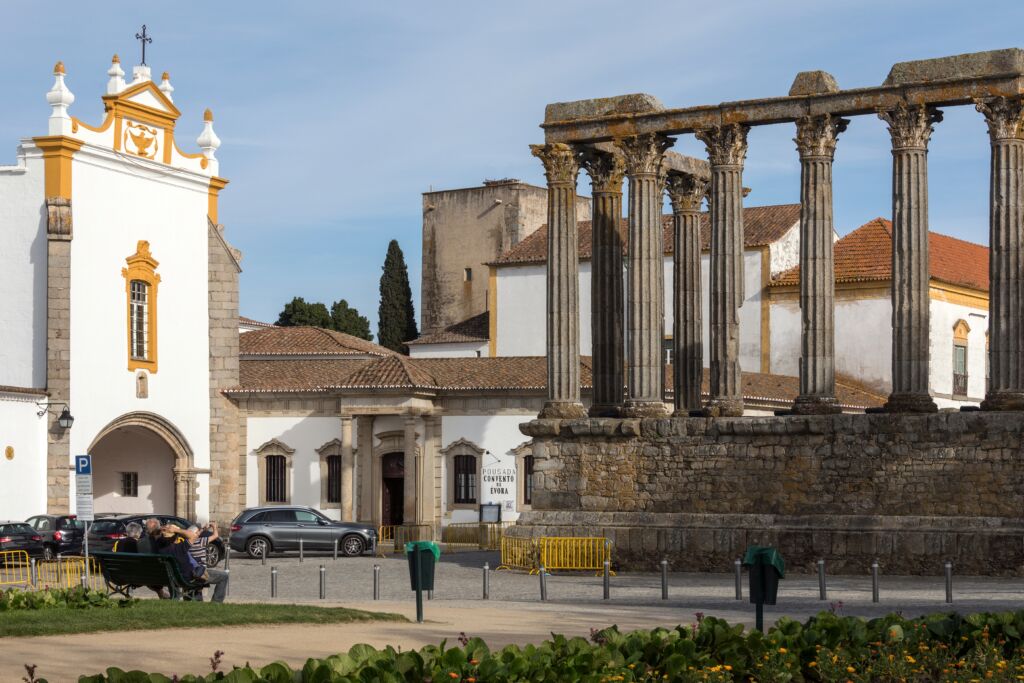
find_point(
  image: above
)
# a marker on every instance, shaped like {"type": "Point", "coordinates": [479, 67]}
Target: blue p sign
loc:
{"type": "Point", "coordinates": [83, 464]}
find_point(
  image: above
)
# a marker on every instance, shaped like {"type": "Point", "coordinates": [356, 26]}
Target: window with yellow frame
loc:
{"type": "Point", "coordinates": [140, 284]}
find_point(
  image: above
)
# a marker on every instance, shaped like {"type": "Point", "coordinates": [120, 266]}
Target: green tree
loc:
{"type": "Point", "coordinates": [346, 319]}
{"type": "Point", "coordinates": [396, 319]}
{"type": "Point", "coordinates": [299, 312]}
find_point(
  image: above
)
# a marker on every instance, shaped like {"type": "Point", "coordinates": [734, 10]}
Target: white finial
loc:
{"type": "Point", "coordinates": [60, 98]}
{"type": "Point", "coordinates": [141, 73]}
{"type": "Point", "coordinates": [116, 83]}
{"type": "Point", "coordinates": [208, 140]}
{"type": "Point", "coordinates": [165, 86]}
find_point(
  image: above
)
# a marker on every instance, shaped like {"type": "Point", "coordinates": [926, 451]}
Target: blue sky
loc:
{"type": "Point", "coordinates": [335, 116]}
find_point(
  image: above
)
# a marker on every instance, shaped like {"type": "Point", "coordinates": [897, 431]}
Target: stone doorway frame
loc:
{"type": "Point", "coordinates": [392, 441]}
{"type": "Point", "coordinates": [184, 470]}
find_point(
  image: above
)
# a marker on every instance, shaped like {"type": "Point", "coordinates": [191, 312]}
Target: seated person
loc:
{"type": "Point", "coordinates": [175, 541]}
{"type": "Point", "coordinates": [130, 543]}
{"type": "Point", "coordinates": [199, 548]}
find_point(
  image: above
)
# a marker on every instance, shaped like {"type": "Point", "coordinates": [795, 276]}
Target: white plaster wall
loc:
{"type": "Point", "coordinates": [785, 338]}
{"type": "Point", "coordinates": [497, 435]}
{"type": "Point", "coordinates": [943, 316]}
{"type": "Point", "coordinates": [521, 310]}
{"type": "Point", "coordinates": [305, 435]}
{"type": "Point", "coordinates": [23, 272]}
{"type": "Point", "coordinates": [133, 450]}
{"type": "Point", "coordinates": [116, 204]}
{"type": "Point", "coordinates": [23, 478]}
{"type": "Point", "coordinates": [461, 350]}
{"type": "Point", "coordinates": [785, 252]}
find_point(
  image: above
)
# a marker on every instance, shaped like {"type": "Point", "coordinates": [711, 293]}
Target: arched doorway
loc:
{"type": "Point", "coordinates": [392, 488]}
{"type": "Point", "coordinates": [143, 464]}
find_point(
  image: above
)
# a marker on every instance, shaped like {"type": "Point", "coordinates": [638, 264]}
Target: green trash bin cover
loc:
{"type": "Point", "coordinates": [414, 546]}
{"type": "Point", "coordinates": [760, 554]}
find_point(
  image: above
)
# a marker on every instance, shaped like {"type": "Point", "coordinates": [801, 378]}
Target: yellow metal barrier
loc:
{"type": "Point", "coordinates": [392, 538]}
{"type": "Point", "coordinates": [584, 553]}
{"type": "Point", "coordinates": [67, 572]}
{"type": "Point", "coordinates": [473, 535]}
{"type": "Point", "coordinates": [518, 553]}
{"type": "Point", "coordinates": [15, 569]}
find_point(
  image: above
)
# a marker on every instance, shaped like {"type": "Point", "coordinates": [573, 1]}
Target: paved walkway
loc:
{"type": "Point", "coordinates": [514, 613]}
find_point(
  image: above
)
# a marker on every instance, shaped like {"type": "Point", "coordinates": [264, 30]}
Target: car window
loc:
{"type": "Point", "coordinates": [258, 517]}
{"type": "Point", "coordinates": [306, 516]}
{"type": "Point", "coordinates": [281, 516]}
{"type": "Point", "coordinates": [70, 523]}
{"type": "Point", "coordinates": [43, 524]}
{"type": "Point", "coordinates": [21, 528]}
{"type": "Point", "coordinates": [105, 526]}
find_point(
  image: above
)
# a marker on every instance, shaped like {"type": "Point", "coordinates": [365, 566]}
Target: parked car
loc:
{"type": "Point", "coordinates": [110, 528]}
{"type": "Point", "coordinates": [62, 534]}
{"type": "Point", "coordinates": [20, 536]}
{"type": "Point", "coordinates": [263, 530]}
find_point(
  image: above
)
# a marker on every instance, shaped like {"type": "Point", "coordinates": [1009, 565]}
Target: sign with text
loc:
{"type": "Point", "coordinates": [499, 485]}
{"type": "Point", "coordinates": [83, 487]}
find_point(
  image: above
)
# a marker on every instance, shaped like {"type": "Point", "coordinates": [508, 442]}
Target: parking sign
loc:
{"type": "Point", "coordinates": [83, 487]}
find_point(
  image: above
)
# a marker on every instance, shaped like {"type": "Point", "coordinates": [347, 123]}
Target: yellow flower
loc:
{"type": "Point", "coordinates": [812, 664]}
{"type": "Point", "coordinates": [911, 660]}
{"type": "Point", "coordinates": [783, 650]}
{"type": "Point", "coordinates": [728, 668]}
{"type": "Point", "coordinates": [850, 670]}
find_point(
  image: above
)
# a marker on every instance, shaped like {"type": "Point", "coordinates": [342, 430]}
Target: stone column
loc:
{"type": "Point", "coordinates": [645, 289]}
{"type": "Point", "coordinates": [606, 171]}
{"type": "Point", "coordinates": [425, 497]}
{"type": "Point", "coordinates": [58, 350]}
{"type": "Point", "coordinates": [816, 138]}
{"type": "Point", "coordinates": [910, 128]}
{"type": "Point", "coordinates": [563, 281]}
{"type": "Point", "coordinates": [686, 192]}
{"type": "Point", "coordinates": [364, 432]}
{"type": "Point", "coordinates": [412, 472]}
{"type": "Point", "coordinates": [1005, 118]}
{"type": "Point", "coordinates": [347, 465]}
{"type": "Point", "coordinates": [727, 149]}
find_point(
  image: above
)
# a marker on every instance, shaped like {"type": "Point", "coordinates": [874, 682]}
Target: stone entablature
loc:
{"type": "Point", "coordinates": [911, 490]}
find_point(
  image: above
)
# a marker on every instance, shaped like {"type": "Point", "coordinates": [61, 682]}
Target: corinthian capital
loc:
{"type": "Point", "coordinates": [727, 145]}
{"type": "Point", "coordinates": [911, 126]}
{"type": "Point", "coordinates": [816, 136]}
{"type": "Point", "coordinates": [644, 153]}
{"type": "Point", "coordinates": [686, 191]}
{"type": "Point", "coordinates": [1004, 116]}
{"type": "Point", "coordinates": [605, 169]}
{"type": "Point", "coordinates": [559, 159]}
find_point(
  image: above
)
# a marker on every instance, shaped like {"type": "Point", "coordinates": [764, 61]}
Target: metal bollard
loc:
{"type": "Point", "coordinates": [376, 582]}
{"type": "Point", "coordinates": [607, 580]}
{"type": "Point", "coordinates": [874, 581]}
{"type": "Point", "coordinates": [33, 572]}
{"type": "Point", "coordinates": [273, 582]}
{"type": "Point", "coordinates": [949, 581]}
{"type": "Point", "coordinates": [664, 579]}
{"type": "Point", "coordinates": [227, 555]}
{"type": "Point", "coordinates": [430, 595]}
{"type": "Point", "coordinates": [739, 578]}
{"type": "Point", "coordinates": [300, 550]}
{"type": "Point", "coordinates": [227, 581]}
{"type": "Point", "coordinates": [335, 550]}
{"type": "Point", "coordinates": [84, 580]}
{"type": "Point", "coordinates": [323, 582]}
{"type": "Point", "coordinates": [263, 557]}
{"type": "Point", "coordinates": [487, 580]}
{"type": "Point", "coordinates": [822, 592]}
{"type": "Point", "coordinates": [543, 583]}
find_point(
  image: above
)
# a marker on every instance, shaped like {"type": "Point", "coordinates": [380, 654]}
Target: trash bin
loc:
{"type": "Point", "coordinates": [766, 567]}
{"type": "Point", "coordinates": [428, 553]}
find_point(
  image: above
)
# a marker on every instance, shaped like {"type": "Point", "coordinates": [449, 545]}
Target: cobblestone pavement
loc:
{"type": "Point", "coordinates": [459, 580]}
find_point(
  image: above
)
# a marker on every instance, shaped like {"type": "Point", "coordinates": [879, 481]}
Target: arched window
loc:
{"type": "Point", "coordinates": [333, 478]}
{"type": "Point", "coordinates": [463, 461]}
{"type": "Point", "coordinates": [960, 332]}
{"type": "Point", "coordinates": [465, 480]}
{"type": "Point", "coordinates": [141, 283]}
{"type": "Point", "coordinates": [274, 460]}
{"type": "Point", "coordinates": [330, 475]}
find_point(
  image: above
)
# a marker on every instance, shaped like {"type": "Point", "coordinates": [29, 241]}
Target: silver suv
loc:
{"type": "Point", "coordinates": [278, 528]}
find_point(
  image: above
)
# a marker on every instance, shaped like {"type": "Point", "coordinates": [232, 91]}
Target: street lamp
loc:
{"type": "Point", "coordinates": [65, 419]}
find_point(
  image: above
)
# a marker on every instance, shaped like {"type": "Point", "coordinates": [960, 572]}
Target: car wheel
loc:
{"type": "Point", "coordinates": [352, 546]}
{"type": "Point", "coordinates": [212, 555]}
{"type": "Point", "coordinates": [48, 553]}
{"type": "Point", "coordinates": [257, 547]}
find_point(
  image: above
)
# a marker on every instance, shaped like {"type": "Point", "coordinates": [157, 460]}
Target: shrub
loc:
{"type": "Point", "coordinates": [73, 598]}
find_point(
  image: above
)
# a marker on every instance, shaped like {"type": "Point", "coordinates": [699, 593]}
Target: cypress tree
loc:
{"type": "Point", "coordinates": [396, 319]}
{"type": "Point", "coordinates": [346, 319]}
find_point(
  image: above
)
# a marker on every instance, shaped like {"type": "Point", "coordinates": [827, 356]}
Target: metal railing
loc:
{"type": "Point", "coordinates": [518, 553]}
{"type": "Point", "coordinates": [574, 553]}
{"type": "Point", "coordinates": [15, 569]}
{"type": "Point", "coordinates": [68, 572]}
{"type": "Point", "coordinates": [473, 535]}
{"type": "Point", "coordinates": [392, 538]}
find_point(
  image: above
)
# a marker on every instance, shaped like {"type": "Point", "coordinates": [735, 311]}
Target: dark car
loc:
{"type": "Point", "coordinates": [62, 534]}
{"type": "Point", "coordinates": [109, 528]}
{"type": "Point", "coordinates": [279, 528]}
{"type": "Point", "coordinates": [20, 536]}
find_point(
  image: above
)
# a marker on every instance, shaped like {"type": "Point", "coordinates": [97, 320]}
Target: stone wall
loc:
{"type": "Point", "coordinates": [911, 490]}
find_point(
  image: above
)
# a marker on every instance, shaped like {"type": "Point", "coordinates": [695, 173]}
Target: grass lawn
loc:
{"type": "Point", "coordinates": [152, 614]}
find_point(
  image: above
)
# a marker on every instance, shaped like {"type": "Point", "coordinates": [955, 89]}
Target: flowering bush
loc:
{"type": "Point", "coordinates": [827, 647]}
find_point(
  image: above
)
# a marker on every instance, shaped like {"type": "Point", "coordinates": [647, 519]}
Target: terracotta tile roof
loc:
{"type": "Point", "coordinates": [306, 341]}
{"type": "Point", "coordinates": [762, 225]}
{"type": "Point", "coordinates": [242, 320]}
{"type": "Point", "coordinates": [306, 375]}
{"type": "Point", "coordinates": [5, 389]}
{"type": "Point", "coordinates": [473, 329]}
{"type": "Point", "coordinates": [866, 255]}
{"type": "Point", "coordinates": [779, 391]}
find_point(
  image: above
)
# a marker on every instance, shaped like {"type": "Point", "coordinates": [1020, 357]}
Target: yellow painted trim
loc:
{"type": "Point", "coordinates": [492, 311]}
{"type": "Point", "coordinates": [957, 294]}
{"type": "Point", "coordinates": [216, 185]}
{"type": "Point", "coordinates": [845, 291]}
{"type": "Point", "coordinates": [142, 266]}
{"type": "Point", "coordinates": [121, 103]}
{"type": "Point", "coordinates": [118, 127]}
{"type": "Point", "coordinates": [766, 311]}
{"type": "Point", "coordinates": [77, 123]}
{"type": "Point", "coordinates": [203, 161]}
{"type": "Point", "coordinates": [960, 331]}
{"type": "Point", "coordinates": [57, 153]}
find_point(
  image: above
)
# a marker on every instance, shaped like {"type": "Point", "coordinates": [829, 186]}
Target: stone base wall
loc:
{"type": "Point", "coordinates": [910, 490]}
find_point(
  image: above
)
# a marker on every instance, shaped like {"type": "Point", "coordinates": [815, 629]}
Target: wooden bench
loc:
{"type": "Point", "coordinates": [124, 571]}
